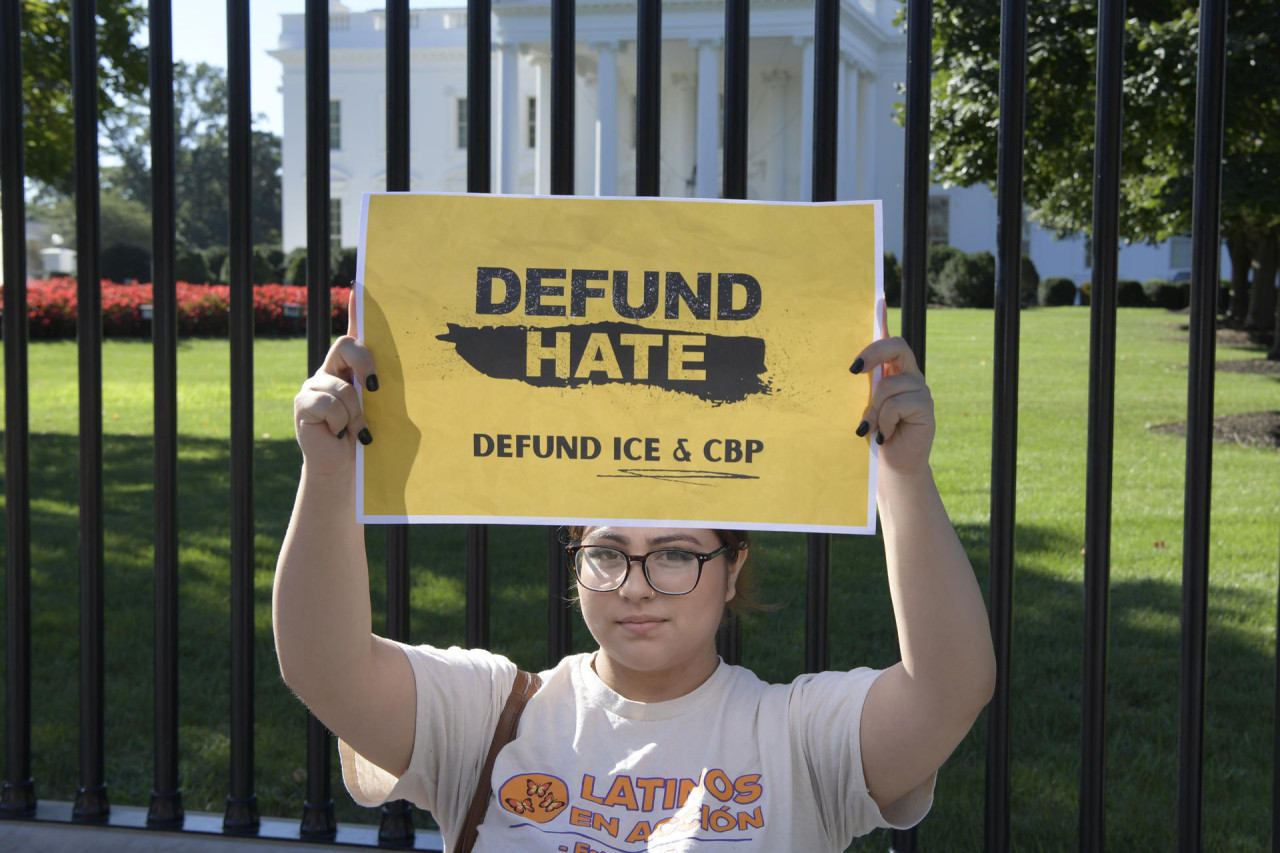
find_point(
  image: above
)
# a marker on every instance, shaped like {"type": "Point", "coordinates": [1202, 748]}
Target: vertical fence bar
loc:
{"type": "Point", "coordinates": [166, 797]}
{"type": "Point", "coordinates": [242, 806]}
{"type": "Point", "coordinates": [18, 796]}
{"type": "Point", "coordinates": [826, 103]}
{"type": "Point", "coordinates": [915, 236]}
{"type": "Point", "coordinates": [479, 100]}
{"type": "Point", "coordinates": [396, 824]}
{"type": "Point", "coordinates": [915, 231]}
{"type": "Point", "coordinates": [563, 54]}
{"type": "Point", "coordinates": [1004, 438]}
{"type": "Point", "coordinates": [1205, 265]}
{"type": "Point", "coordinates": [479, 94]}
{"type": "Point", "coordinates": [318, 820]}
{"type": "Point", "coordinates": [477, 568]}
{"type": "Point", "coordinates": [91, 798]}
{"type": "Point", "coordinates": [648, 97]}
{"type": "Point", "coordinates": [737, 70]}
{"type": "Point", "coordinates": [559, 623]}
{"type": "Point", "coordinates": [817, 563]}
{"type": "Point", "coordinates": [737, 50]}
{"type": "Point", "coordinates": [826, 66]}
{"type": "Point", "coordinates": [563, 60]}
{"type": "Point", "coordinates": [1102, 367]}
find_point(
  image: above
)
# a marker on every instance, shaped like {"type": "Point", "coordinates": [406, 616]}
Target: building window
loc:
{"type": "Point", "coordinates": [335, 222]}
{"type": "Point", "coordinates": [1180, 253]}
{"type": "Point", "coordinates": [335, 125]}
{"type": "Point", "coordinates": [415, 20]}
{"type": "Point", "coordinates": [1088, 253]}
{"type": "Point", "coordinates": [939, 220]}
{"type": "Point", "coordinates": [340, 21]}
{"type": "Point", "coordinates": [1026, 237]}
{"type": "Point", "coordinates": [462, 122]}
{"type": "Point", "coordinates": [531, 123]}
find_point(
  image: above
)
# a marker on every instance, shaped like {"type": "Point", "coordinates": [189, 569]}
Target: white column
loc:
{"type": "Point", "coordinates": [607, 119]}
{"type": "Point", "coordinates": [776, 167]}
{"type": "Point", "coordinates": [509, 123]}
{"type": "Point", "coordinates": [806, 120]}
{"type": "Point", "coordinates": [684, 136]}
{"type": "Point", "coordinates": [708, 129]}
{"type": "Point", "coordinates": [868, 127]}
{"type": "Point", "coordinates": [542, 154]}
{"type": "Point", "coordinates": [847, 171]}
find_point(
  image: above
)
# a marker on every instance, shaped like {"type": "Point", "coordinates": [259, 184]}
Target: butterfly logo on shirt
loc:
{"type": "Point", "coordinates": [535, 796]}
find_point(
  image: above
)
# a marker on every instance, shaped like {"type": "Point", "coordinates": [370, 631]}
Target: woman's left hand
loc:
{"type": "Point", "coordinates": [900, 416]}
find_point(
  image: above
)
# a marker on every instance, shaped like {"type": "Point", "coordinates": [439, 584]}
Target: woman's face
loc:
{"type": "Point", "coordinates": [653, 644]}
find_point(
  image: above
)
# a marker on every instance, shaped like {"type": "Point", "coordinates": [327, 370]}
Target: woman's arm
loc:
{"type": "Point", "coordinates": [917, 712]}
{"type": "Point", "coordinates": [359, 685]}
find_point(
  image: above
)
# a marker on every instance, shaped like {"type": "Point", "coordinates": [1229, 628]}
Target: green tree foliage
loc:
{"type": "Point", "coordinates": [1160, 57]}
{"type": "Point", "coordinates": [200, 106]}
{"type": "Point", "coordinates": [46, 80]}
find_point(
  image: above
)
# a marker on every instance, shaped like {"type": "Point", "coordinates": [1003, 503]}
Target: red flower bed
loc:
{"type": "Point", "coordinates": [202, 308]}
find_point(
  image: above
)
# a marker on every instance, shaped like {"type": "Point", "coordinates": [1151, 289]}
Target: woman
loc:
{"type": "Point", "coordinates": [650, 743]}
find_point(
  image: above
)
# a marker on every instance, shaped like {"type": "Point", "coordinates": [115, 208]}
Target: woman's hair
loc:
{"type": "Point", "coordinates": [736, 541]}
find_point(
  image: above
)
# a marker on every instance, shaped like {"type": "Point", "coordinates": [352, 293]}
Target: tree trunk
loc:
{"type": "Point", "coordinates": [1241, 251]}
{"type": "Point", "coordinates": [1262, 295]}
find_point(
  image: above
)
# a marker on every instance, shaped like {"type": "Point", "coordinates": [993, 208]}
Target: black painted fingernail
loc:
{"type": "Point", "coordinates": [371, 382]}
{"type": "Point", "coordinates": [857, 366]}
{"type": "Point", "coordinates": [879, 438]}
{"type": "Point", "coordinates": [343, 433]}
{"type": "Point", "coordinates": [863, 428]}
{"type": "Point", "coordinates": [364, 436]}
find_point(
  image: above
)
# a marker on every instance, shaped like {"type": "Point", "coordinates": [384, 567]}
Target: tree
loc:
{"type": "Point", "coordinates": [46, 80]}
{"type": "Point", "coordinates": [200, 107]}
{"type": "Point", "coordinates": [1159, 100]}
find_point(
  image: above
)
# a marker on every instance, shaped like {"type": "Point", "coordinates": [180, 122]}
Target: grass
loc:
{"type": "Point", "coordinates": [1146, 563]}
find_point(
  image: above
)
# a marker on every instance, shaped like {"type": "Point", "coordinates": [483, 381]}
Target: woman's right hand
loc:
{"type": "Point", "coordinates": [327, 417]}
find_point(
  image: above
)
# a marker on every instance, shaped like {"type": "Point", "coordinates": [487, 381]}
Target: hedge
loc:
{"type": "Point", "coordinates": [202, 308]}
{"type": "Point", "coordinates": [1057, 290]}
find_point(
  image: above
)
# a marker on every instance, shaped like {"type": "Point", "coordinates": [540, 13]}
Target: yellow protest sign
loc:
{"type": "Point", "coordinates": [651, 361]}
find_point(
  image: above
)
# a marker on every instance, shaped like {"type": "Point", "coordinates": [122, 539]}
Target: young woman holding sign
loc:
{"type": "Point", "coordinates": [651, 742]}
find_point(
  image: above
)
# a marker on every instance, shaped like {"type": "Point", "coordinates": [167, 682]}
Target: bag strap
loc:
{"type": "Point", "coordinates": [525, 686]}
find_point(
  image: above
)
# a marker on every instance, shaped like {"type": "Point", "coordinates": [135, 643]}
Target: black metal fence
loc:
{"type": "Point", "coordinates": [241, 817]}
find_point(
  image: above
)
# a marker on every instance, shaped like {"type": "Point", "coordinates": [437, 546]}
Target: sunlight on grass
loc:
{"type": "Point", "coordinates": [1146, 575]}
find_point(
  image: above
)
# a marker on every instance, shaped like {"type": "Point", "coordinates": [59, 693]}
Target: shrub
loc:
{"type": "Point", "coordinates": [342, 268]}
{"type": "Point", "coordinates": [969, 281]}
{"type": "Point", "coordinates": [938, 256]}
{"type": "Point", "coordinates": [1086, 292]}
{"type": "Point", "coordinates": [274, 260]}
{"type": "Point", "coordinates": [1057, 290]}
{"type": "Point", "coordinates": [1028, 281]}
{"type": "Point", "coordinates": [214, 259]}
{"type": "Point", "coordinates": [1164, 294]}
{"type": "Point", "coordinates": [125, 262]}
{"type": "Point", "coordinates": [191, 266]}
{"type": "Point", "coordinates": [892, 280]}
{"type": "Point", "coordinates": [295, 271]}
{"type": "Point", "coordinates": [202, 308]}
{"type": "Point", "coordinates": [1129, 294]}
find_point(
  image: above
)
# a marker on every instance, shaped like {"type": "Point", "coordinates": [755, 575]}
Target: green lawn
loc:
{"type": "Point", "coordinates": [1145, 597]}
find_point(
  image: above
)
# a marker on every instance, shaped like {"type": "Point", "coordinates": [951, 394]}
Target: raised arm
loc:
{"type": "Point", "coordinates": [359, 685]}
{"type": "Point", "coordinates": [917, 712]}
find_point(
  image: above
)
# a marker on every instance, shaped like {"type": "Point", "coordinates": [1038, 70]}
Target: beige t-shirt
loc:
{"type": "Point", "coordinates": [737, 764]}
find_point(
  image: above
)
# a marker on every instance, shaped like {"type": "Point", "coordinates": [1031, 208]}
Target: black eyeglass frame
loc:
{"type": "Point", "coordinates": [573, 548]}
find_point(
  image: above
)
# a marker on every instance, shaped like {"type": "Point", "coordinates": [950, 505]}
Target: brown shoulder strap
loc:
{"type": "Point", "coordinates": [525, 686]}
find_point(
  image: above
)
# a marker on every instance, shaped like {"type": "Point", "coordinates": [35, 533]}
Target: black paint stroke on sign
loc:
{"type": "Point", "coordinates": [679, 475]}
{"type": "Point", "coordinates": [733, 365]}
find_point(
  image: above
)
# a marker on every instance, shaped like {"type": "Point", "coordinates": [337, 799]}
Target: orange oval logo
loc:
{"type": "Point", "coordinates": [534, 796]}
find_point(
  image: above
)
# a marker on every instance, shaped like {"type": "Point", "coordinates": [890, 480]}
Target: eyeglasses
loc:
{"type": "Point", "coordinates": [670, 571]}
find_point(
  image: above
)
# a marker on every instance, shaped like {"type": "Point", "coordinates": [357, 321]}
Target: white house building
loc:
{"type": "Point", "coordinates": [780, 116]}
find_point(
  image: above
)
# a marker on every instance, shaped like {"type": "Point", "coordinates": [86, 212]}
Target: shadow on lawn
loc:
{"type": "Point", "coordinates": [1046, 668]}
